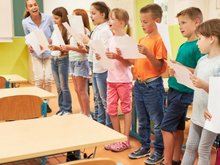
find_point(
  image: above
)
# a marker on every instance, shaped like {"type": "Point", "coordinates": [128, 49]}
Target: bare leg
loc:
{"type": "Point", "coordinates": [168, 140]}
{"type": "Point", "coordinates": [115, 123]}
{"type": "Point", "coordinates": [179, 137]}
{"type": "Point", "coordinates": [127, 123]}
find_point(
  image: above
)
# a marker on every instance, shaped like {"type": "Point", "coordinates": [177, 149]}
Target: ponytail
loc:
{"type": "Point", "coordinates": [26, 14]}
{"type": "Point", "coordinates": [128, 31]}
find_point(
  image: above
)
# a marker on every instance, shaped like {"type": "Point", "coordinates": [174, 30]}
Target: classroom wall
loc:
{"type": "Point", "coordinates": [70, 5]}
{"type": "Point", "coordinates": [14, 58]}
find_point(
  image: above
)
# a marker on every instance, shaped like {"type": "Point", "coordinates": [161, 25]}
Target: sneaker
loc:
{"type": "Point", "coordinates": [62, 113]}
{"type": "Point", "coordinates": [121, 146]}
{"type": "Point", "coordinates": [58, 113]}
{"type": "Point", "coordinates": [65, 113]}
{"type": "Point", "coordinates": [140, 153]}
{"type": "Point", "coordinates": [154, 159]}
{"type": "Point", "coordinates": [176, 162]}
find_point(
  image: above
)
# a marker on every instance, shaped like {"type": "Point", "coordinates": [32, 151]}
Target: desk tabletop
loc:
{"type": "Point", "coordinates": [26, 91]}
{"type": "Point", "coordinates": [14, 78]}
{"type": "Point", "coordinates": [52, 135]}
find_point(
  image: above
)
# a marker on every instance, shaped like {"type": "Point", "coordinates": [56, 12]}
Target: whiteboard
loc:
{"type": "Point", "coordinates": [6, 20]}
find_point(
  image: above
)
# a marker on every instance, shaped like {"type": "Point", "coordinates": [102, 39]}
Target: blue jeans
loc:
{"type": "Point", "coordinates": [60, 70]}
{"type": "Point", "coordinates": [149, 105]}
{"type": "Point", "coordinates": [95, 104]}
{"type": "Point", "coordinates": [99, 85]}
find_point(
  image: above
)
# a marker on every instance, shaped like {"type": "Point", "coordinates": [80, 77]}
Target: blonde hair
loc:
{"type": "Point", "coordinates": [121, 15]}
{"type": "Point", "coordinates": [192, 12]}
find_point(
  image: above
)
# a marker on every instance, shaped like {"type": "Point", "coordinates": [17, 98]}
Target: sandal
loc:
{"type": "Point", "coordinates": [109, 146]}
{"type": "Point", "coordinates": [121, 146]}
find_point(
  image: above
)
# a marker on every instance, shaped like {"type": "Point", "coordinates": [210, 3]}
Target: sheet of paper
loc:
{"type": "Point", "coordinates": [214, 105]}
{"type": "Point", "coordinates": [128, 47]}
{"type": "Point", "coordinates": [58, 35]}
{"type": "Point", "coordinates": [99, 48]}
{"type": "Point", "coordinates": [164, 33]}
{"type": "Point", "coordinates": [31, 40]}
{"type": "Point", "coordinates": [75, 35]}
{"type": "Point", "coordinates": [182, 74]}
{"type": "Point", "coordinates": [42, 39]}
{"type": "Point", "coordinates": [76, 23]}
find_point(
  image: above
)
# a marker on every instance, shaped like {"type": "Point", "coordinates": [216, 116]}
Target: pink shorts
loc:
{"type": "Point", "coordinates": [116, 91]}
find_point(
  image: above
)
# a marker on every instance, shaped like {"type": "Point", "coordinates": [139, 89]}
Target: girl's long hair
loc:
{"type": "Point", "coordinates": [62, 12]}
{"type": "Point", "coordinates": [85, 17]}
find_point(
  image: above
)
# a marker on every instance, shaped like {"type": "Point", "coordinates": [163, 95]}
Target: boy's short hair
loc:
{"type": "Point", "coordinates": [192, 12]}
{"type": "Point", "coordinates": [153, 8]}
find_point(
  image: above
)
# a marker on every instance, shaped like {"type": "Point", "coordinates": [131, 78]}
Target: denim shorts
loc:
{"type": "Point", "coordinates": [174, 118]}
{"type": "Point", "coordinates": [79, 68]}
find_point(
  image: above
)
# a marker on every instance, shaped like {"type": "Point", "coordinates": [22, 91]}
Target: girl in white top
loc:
{"type": "Point", "coordinates": [119, 80]}
{"type": "Point", "coordinates": [99, 15]}
{"type": "Point", "coordinates": [199, 139]}
{"type": "Point", "coordinates": [79, 66]}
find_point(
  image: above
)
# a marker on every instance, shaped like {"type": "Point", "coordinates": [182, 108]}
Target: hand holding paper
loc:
{"type": "Point", "coordinates": [182, 74]}
{"type": "Point", "coordinates": [99, 48]}
{"type": "Point", "coordinates": [128, 47]}
{"type": "Point", "coordinates": [78, 37]}
{"type": "Point", "coordinates": [37, 41]}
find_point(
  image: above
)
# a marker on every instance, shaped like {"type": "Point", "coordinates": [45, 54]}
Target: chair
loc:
{"type": "Point", "coordinates": [95, 161]}
{"type": "Point", "coordinates": [20, 107]}
{"type": "Point", "coordinates": [2, 82]}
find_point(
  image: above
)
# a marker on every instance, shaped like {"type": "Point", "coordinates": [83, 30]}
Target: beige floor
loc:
{"type": "Point", "coordinates": [121, 157]}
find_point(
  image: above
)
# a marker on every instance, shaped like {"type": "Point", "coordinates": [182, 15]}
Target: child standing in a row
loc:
{"type": "Point", "coordinates": [119, 80]}
{"type": "Point", "coordinates": [148, 88]}
{"type": "Point", "coordinates": [99, 16]}
{"type": "Point", "coordinates": [209, 65]}
{"type": "Point", "coordinates": [60, 63]}
{"type": "Point", "coordinates": [79, 65]}
{"type": "Point", "coordinates": [180, 96]}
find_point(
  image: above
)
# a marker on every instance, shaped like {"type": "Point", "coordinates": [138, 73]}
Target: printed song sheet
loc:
{"type": "Point", "coordinates": [38, 41]}
{"type": "Point", "coordinates": [182, 74]}
{"type": "Point", "coordinates": [99, 48]}
{"type": "Point", "coordinates": [128, 47]}
{"type": "Point", "coordinates": [164, 33]}
{"type": "Point", "coordinates": [214, 105]}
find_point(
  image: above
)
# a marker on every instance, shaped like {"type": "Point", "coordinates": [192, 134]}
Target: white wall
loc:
{"type": "Point", "coordinates": [6, 20]}
{"type": "Point", "coordinates": [70, 5]}
{"type": "Point", "coordinates": [208, 8]}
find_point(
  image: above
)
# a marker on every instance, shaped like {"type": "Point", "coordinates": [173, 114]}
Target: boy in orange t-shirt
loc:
{"type": "Point", "coordinates": [148, 88]}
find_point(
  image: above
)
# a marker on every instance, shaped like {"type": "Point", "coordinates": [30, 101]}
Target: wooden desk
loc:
{"type": "Point", "coordinates": [26, 91]}
{"type": "Point", "coordinates": [14, 78]}
{"type": "Point", "coordinates": [52, 135]}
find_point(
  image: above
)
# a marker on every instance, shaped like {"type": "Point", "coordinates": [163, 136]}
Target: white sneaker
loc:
{"type": "Point", "coordinates": [65, 113]}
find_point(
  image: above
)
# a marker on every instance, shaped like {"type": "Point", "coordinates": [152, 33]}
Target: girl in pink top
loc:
{"type": "Point", "coordinates": [119, 80]}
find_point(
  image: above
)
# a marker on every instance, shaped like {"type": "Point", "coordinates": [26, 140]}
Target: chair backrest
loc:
{"type": "Point", "coordinates": [95, 161]}
{"type": "Point", "coordinates": [20, 107]}
{"type": "Point", "coordinates": [2, 82]}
